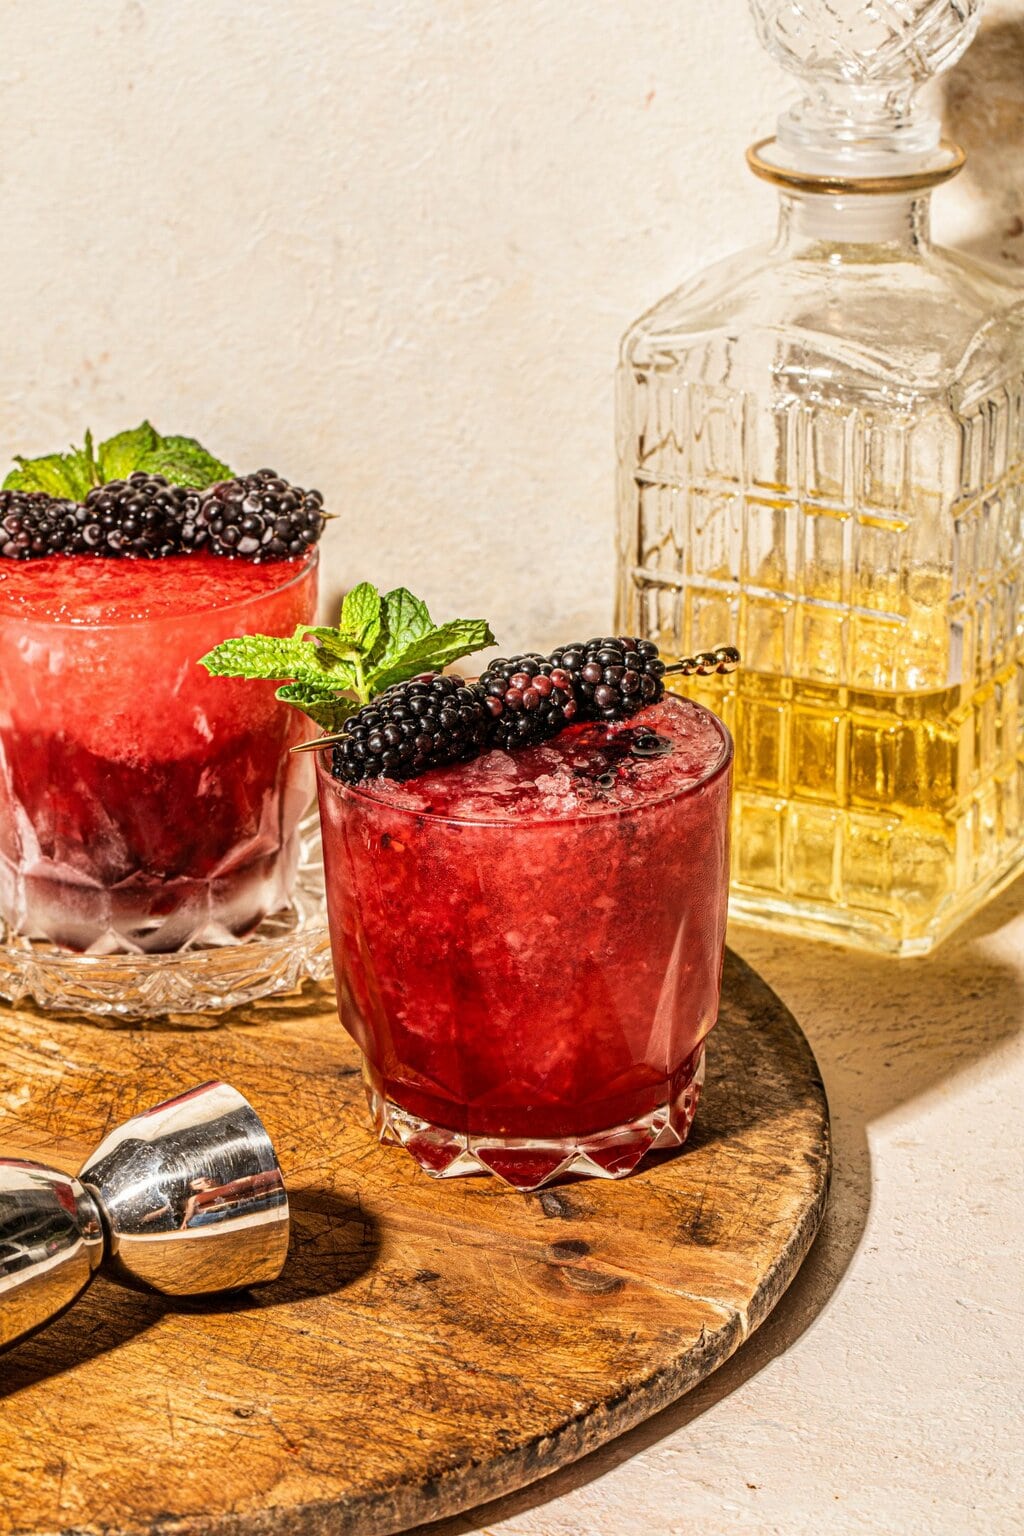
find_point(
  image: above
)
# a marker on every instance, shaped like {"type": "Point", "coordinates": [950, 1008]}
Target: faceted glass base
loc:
{"type": "Point", "coordinates": [531, 1163]}
{"type": "Point", "coordinates": [860, 929]}
{"type": "Point", "coordinates": [193, 985]}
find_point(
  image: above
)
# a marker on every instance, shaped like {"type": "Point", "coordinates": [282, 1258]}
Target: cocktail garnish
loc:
{"type": "Point", "coordinates": [332, 673]}
{"type": "Point", "coordinates": [532, 697]}
{"type": "Point", "coordinates": [613, 677]}
{"type": "Point", "coordinates": [254, 517]}
{"type": "Point", "coordinates": [143, 496]}
{"type": "Point", "coordinates": [374, 684]}
{"type": "Point", "coordinates": [528, 699]}
{"type": "Point", "coordinates": [723, 659]}
{"type": "Point", "coordinates": [72, 475]}
{"type": "Point", "coordinates": [651, 745]}
{"type": "Point", "coordinates": [426, 723]}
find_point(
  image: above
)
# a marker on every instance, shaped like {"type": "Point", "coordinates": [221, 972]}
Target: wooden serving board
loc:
{"type": "Point", "coordinates": [429, 1345]}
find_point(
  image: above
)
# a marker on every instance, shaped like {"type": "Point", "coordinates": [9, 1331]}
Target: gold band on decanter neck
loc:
{"type": "Point", "coordinates": [838, 186]}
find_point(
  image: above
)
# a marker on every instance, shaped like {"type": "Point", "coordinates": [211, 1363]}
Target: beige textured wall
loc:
{"type": "Point", "coordinates": [389, 247]}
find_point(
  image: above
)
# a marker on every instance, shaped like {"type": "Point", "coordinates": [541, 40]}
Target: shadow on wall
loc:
{"type": "Point", "coordinates": [983, 110]}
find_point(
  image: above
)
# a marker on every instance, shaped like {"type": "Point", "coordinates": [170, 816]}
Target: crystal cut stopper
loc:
{"type": "Point", "coordinates": [861, 63]}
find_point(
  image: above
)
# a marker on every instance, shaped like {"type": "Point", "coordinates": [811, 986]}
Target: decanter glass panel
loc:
{"type": "Point", "coordinates": [821, 459]}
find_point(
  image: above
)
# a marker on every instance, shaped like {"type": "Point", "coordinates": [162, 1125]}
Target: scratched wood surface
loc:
{"type": "Point", "coordinates": [429, 1345]}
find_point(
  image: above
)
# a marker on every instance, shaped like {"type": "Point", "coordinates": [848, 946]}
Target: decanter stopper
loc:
{"type": "Point", "coordinates": [861, 64]}
{"type": "Point", "coordinates": [187, 1198]}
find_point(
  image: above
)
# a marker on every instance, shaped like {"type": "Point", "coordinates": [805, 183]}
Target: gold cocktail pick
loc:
{"type": "Point", "coordinates": [724, 658]}
{"type": "Point", "coordinates": [321, 741]}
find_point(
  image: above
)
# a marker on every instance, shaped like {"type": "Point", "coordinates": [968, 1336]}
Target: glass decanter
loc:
{"type": "Point", "coordinates": [821, 455]}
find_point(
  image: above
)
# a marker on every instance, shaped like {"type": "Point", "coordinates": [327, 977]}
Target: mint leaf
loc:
{"type": "Point", "coordinates": [181, 459]}
{"type": "Point", "coordinates": [407, 617]}
{"type": "Point", "coordinates": [317, 683]}
{"type": "Point", "coordinates": [46, 474]}
{"type": "Point", "coordinates": [432, 652]}
{"type": "Point", "coordinates": [184, 462]}
{"type": "Point", "coordinates": [58, 474]}
{"type": "Point", "coordinates": [268, 656]}
{"type": "Point", "coordinates": [331, 647]}
{"type": "Point", "coordinates": [361, 616]}
{"type": "Point", "coordinates": [325, 707]}
{"type": "Point", "coordinates": [330, 673]}
{"type": "Point", "coordinates": [312, 688]}
{"type": "Point", "coordinates": [81, 469]}
{"type": "Point", "coordinates": [404, 620]}
{"type": "Point", "coordinates": [121, 454]}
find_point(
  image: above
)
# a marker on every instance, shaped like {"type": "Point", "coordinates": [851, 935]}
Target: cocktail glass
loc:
{"type": "Point", "coordinates": [144, 805]}
{"type": "Point", "coordinates": [528, 947]}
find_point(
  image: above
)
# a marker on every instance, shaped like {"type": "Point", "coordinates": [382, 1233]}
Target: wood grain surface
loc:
{"type": "Point", "coordinates": [429, 1345]}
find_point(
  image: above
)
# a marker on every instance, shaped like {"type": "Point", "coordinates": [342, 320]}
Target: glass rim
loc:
{"type": "Point", "coordinates": [722, 765]}
{"type": "Point", "coordinates": [309, 562]}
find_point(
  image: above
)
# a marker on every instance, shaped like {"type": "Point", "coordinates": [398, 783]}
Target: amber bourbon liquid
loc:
{"type": "Point", "coordinates": [877, 713]}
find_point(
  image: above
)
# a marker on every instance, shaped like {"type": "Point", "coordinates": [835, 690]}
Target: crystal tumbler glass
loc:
{"type": "Point", "coordinates": [528, 947]}
{"type": "Point", "coordinates": [144, 805]}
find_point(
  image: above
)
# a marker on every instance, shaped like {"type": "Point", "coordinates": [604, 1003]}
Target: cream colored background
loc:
{"type": "Point", "coordinates": [387, 246]}
{"type": "Point", "coordinates": [390, 248]}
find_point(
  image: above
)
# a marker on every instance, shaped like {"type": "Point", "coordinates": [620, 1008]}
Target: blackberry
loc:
{"type": "Point", "coordinates": [255, 517]}
{"type": "Point", "coordinates": [33, 524]}
{"type": "Point", "coordinates": [614, 677]}
{"type": "Point", "coordinates": [411, 727]}
{"type": "Point", "coordinates": [140, 517]}
{"type": "Point", "coordinates": [529, 700]}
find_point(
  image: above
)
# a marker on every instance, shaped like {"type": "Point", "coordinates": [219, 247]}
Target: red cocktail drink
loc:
{"type": "Point", "coordinates": [144, 805]}
{"type": "Point", "coordinates": [528, 946]}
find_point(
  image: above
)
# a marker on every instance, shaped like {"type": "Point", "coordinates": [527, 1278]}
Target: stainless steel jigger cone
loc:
{"type": "Point", "coordinates": [187, 1198]}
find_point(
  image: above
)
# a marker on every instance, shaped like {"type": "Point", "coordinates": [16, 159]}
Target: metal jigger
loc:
{"type": "Point", "coordinates": [187, 1198]}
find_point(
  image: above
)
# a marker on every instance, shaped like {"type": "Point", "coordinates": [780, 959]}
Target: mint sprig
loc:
{"type": "Point", "coordinates": [182, 460]}
{"type": "Point", "coordinates": [330, 673]}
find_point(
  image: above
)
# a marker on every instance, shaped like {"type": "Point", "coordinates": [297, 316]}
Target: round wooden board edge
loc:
{"type": "Point", "coordinates": [467, 1485]}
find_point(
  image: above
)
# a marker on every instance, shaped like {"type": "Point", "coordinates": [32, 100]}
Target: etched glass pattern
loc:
{"type": "Point", "coordinates": [860, 41]}
{"type": "Point", "coordinates": [862, 62]}
{"type": "Point", "coordinates": [191, 986]}
{"type": "Point", "coordinates": [528, 1163]}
